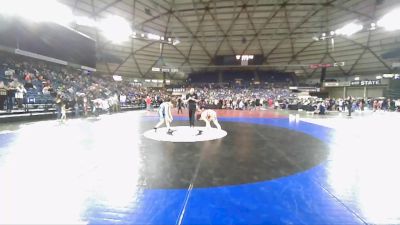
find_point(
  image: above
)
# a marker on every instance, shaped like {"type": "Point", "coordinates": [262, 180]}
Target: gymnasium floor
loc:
{"type": "Point", "coordinates": [269, 169]}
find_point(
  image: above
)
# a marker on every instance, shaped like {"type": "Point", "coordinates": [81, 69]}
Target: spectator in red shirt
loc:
{"type": "Point", "coordinates": [270, 102]}
{"type": "Point", "coordinates": [148, 103]}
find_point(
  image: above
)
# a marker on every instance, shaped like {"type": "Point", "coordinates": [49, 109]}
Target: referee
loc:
{"type": "Point", "coordinates": [192, 100]}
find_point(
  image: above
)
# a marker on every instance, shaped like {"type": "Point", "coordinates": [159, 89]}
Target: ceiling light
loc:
{"type": "Point", "coordinates": [117, 78]}
{"type": "Point", "coordinates": [323, 34]}
{"type": "Point", "coordinates": [142, 35]}
{"type": "Point", "coordinates": [237, 57]}
{"type": "Point", "coordinates": [30, 10]}
{"type": "Point", "coordinates": [356, 78]}
{"type": "Point", "coordinates": [332, 33]}
{"type": "Point", "coordinates": [176, 41]}
{"type": "Point", "coordinates": [390, 21]}
{"type": "Point", "coordinates": [153, 36]}
{"type": "Point", "coordinates": [388, 75]}
{"type": "Point", "coordinates": [162, 38]}
{"type": "Point", "coordinates": [315, 38]}
{"type": "Point", "coordinates": [372, 26]}
{"type": "Point", "coordinates": [339, 64]}
{"type": "Point", "coordinates": [115, 28]}
{"type": "Point", "coordinates": [349, 29]}
{"type": "Point", "coordinates": [84, 21]}
{"type": "Point", "coordinates": [378, 77]}
{"type": "Point", "coordinates": [169, 39]}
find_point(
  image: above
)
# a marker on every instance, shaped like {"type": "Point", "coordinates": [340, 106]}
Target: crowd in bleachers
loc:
{"type": "Point", "coordinates": [26, 81]}
{"type": "Point", "coordinates": [361, 104]}
{"type": "Point", "coordinates": [280, 97]}
{"type": "Point", "coordinates": [241, 97]}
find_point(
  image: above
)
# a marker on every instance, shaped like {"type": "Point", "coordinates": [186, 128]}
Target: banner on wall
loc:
{"type": "Point", "coordinates": [337, 84]}
{"type": "Point", "coordinates": [365, 82]}
{"type": "Point", "coordinates": [331, 84]}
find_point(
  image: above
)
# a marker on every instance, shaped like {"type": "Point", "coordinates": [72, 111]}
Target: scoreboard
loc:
{"type": "Point", "coordinates": [231, 60]}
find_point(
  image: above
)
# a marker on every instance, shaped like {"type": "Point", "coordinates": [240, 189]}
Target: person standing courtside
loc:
{"type": "Point", "coordinates": [164, 112]}
{"type": "Point", "coordinates": [192, 100]}
{"type": "Point", "coordinates": [180, 105]}
{"type": "Point", "coordinates": [148, 103]}
{"type": "Point", "coordinates": [349, 105]}
{"type": "Point", "coordinates": [3, 94]}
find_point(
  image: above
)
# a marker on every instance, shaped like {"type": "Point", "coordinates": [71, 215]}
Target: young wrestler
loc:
{"type": "Point", "coordinates": [208, 116]}
{"type": "Point", "coordinates": [164, 112]}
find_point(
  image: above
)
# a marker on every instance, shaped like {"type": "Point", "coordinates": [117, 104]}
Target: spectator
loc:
{"type": "Point", "coordinates": [19, 95]}
{"type": "Point", "coordinates": [3, 95]}
{"type": "Point", "coordinates": [63, 118]}
{"type": "Point", "coordinates": [59, 103]}
{"type": "Point", "coordinates": [397, 104]}
{"type": "Point", "coordinates": [148, 103]}
{"type": "Point", "coordinates": [350, 105]}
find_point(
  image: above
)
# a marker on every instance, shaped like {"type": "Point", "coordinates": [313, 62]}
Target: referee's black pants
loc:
{"type": "Point", "coordinates": [192, 113]}
{"type": "Point", "coordinates": [2, 100]}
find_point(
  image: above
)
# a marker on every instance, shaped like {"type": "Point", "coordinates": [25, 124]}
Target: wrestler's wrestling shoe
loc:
{"type": "Point", "coordinates": [170, 132]}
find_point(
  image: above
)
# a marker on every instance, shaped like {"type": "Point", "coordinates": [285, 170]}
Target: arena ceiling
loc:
{"type": "Point", "coordinates": [281, 30]}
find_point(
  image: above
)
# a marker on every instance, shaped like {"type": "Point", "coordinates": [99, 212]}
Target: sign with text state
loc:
{"type": "Point", "coordinates": [365, 83]}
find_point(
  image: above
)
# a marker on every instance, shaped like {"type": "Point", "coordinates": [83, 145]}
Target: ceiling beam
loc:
{"type": "Point", "coordinates": [293, 59]}
{"type": "Point", "coordinates": [370, 50]}
{"type": "Point", "coordinates": [334, 61]}
{"type": "Point", "coordinates": [187, 59]}
{"type": "Point", "coordinates": [328, 4]}
{"type": "Point", "coordinates": [186, 27]}
{"type": "Point", "coordinates": [97, 35]}
{"type": "Point", "coordinates": [75, 5]}
{"type": "Point", "coordinates": [123, 62]}
{"type": "Point", "coordinates": [365, 49]}
{"type": "Point", "coordinates": [109, 5]}
{"type": "Point", "coordinates": [322, 59]}
{"type": "Point", "coordinates": [193, 36]}
{"type": "Point", "coordinates": [307, 18]}
{"type": "Point", "coordinates": [267, 21]}
{"type": "Point", "coordinates": [225, 34]}
{"type": "Point", "coordinates": [254, 28]}
{"type": "Point", "coordinates": [133, 41]}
